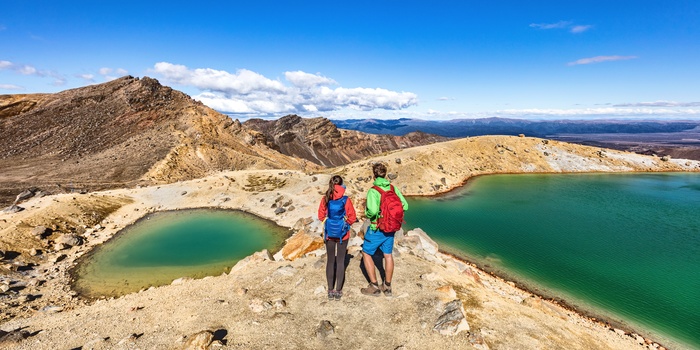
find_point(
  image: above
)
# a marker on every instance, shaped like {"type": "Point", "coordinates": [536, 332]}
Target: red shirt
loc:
{"type": "Point", "coordinates": [350, 215]}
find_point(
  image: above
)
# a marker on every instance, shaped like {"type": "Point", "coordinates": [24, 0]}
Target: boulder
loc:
{"type": "Point", "coordinates": [70, 240]}
{"type": "Point", "coordinates": [298, 245]}
{"type": "Point", "coordinates": [426, 243]}
{"type": "Point", "coordinates": [280, 210]}
{"type": "Point", "coordinates": [39, 231]}
{"type": "Point", "coordinates": [24, 195]}
{"type": "Point", "coordinates": [325, 329]}
{"type": "Point", "coordinates": [452, 320]}
{"type": "Point", "coordinates": [12, 209]}
{"type": "Point", "coordinates": [199, 341]}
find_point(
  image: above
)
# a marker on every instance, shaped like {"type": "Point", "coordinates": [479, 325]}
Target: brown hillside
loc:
{"type": "Point", "coordinates": [318, 140]}
{"type": "Point", "coordinates": [117, 134]}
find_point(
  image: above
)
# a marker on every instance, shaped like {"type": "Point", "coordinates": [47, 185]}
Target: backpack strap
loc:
{"type": "Point", "coordinates": [378, 189]}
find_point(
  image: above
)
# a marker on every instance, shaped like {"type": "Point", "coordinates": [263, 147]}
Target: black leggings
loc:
{"type": "Point", "coordinates": [335, 253]}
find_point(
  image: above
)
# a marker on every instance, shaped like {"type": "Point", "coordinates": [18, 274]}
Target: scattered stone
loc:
{"type": "Point", "coordinates": [59, 246]}
{"type": "Point", "coordinates": [314, 178]}
{"type": "Point", "coordinates": [545, 142]}
{"type": "Point", "coordinates": [392, 176]}
{"type": "Point", "coordinates": [325, 328]}
{"type": "Point", "coordinates": [319, 290]}
{"type": "Point", "coordinates": [546, 154]}
{"type": "Point", "coordinates": [439, 167]}
{"type": "Point", "coordinates": [279, 303]}
{"type": "Point", "coordinates": [521, 135]}
{"type": "Point", "coordinates": [287, 270]}
{"type": "Point", "coordinates": [70, 240]}
{"type": "Point", "coordinates": [242, 291]}
{"type": "Point", "coordinates": [448, 292]}
{"type": "Point", "coordinates": [199, 341]}
{"type": "Point", "coordinates": [443, 181]}
{"type": "Point", "coordinates": [398, 160]}
{"type": "Point", "coordinates": [51, 309]}
{"type": "Point", "coordinates": [287, 203]}
{"type": "Point", "coordinates": [39, 231]}
{"type": "Point", "coordinates": [291, 208]}
{"type": "Point", "coordinates": [258, 306]}
{"type": "Point", "coordinates": [666, 158]}
{"type": "Point", "coordinates": [24, 195]}
{"type": "Point", "coordinates": [181, 280]}
{"type": "Point", "coordinates": [12, 209]}
{"type": "Point", "coordinates": [452, 321]}
{"type": "Point", "coordinates": [280, 210]}
{"type": "Point", "coordinates": [4, 287]}
{"type": "Point", "coordinates": [183, 193]}
{"type": "Point", "coordinates": [59, 258]}
{"type": "Point", "coordinates": [13, 337]}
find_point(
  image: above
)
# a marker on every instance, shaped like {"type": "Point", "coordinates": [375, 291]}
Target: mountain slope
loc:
{"type": "Point", "coordinates": [320, 141]}
{"type": "Point", "coordinates": [120, 133]}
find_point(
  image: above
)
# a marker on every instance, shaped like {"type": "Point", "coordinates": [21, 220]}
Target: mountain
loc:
{"type": "Point", "coordinates": [320, 141]}
{"type": "Point", "coordinates": [504, 126]}
{"type": "Point", "coordinates": [121, 133]}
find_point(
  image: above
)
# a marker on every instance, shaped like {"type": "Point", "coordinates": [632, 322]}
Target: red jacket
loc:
{"type": "Point", "coordinates": [350, 215]}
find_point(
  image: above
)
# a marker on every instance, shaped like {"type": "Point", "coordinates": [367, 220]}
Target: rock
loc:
{"type": "Point", "coordinates": [398, 160]}
{"type": "Point", "coordinates": [34, 252]}
{"type": "Point", "coordinates": [545, 141]}
{"type": "Point", "coordinates": [59, 246]}
{"type": "Point", "coordinates": [443, 181]}
{"type": "Point", "coordinates": [314, 179]}
{"type": "Point", "coordinates": [183, 193]}
{"type": "Point", "coordinates": [39, 231]}
{"type": "Point", "coordinates": [199, 341]}
{"type": "Point", "coordinates": [392, 176]}
{"type": "Point", "coordinates": [51, 309]}
{"type": "Point", "coordinates": [12, 209]}
{"type": "Point", "coordinates": [665, 158]}
{"type": "Point", "coordinates": [279, 303]}
{"type": "Point", "coordinates": [439, 167]}
{"type": "Point", "coordinates": [13, 337]}
{"type": "Point", "coordinates": [24, 195]}
{"type": "Point", "coordinates": [181, 280]}
{"type": "Point", "coordinates": [70, 240]}
{"type": "Point", "coordinates": [426, 243]}
{"type": "Point", "coordinates": [280, 210]}
{"type": "Point", "coordinates": [325, 328]}
{"type": "Point", "coordinates": [287, 270]}
{"type": "Point", "coordinates": [4, 287]}
{"type": "Point", "coordinates": [521, 135]}
{"type": "Point", "coordinates": [447, 292]}
{"type": "Point", "coordinates": [263, 255]}
{"type": "Point", "coordinates": [287, 203]}
{"type": "Point", "coordinates": [319, 290]}
{"type": "Point", "coordinates": [298, 245]}
{"type": "Point", "coordinates": [452, 321]}
{"type": "Point", "coordinates": [258, 306]}
{"type": "Point", "coordinates": [242, 291]}
{"type": "Point", "coordinates": [59, 258]}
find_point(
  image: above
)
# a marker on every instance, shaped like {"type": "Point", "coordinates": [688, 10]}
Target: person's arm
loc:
{"type": "Point", "coordinates": [372, 205]}
{"type": "Point", "coordinates": [404, 203]}
{"type": "Point", "coordinates": [322, 209]}
{"type": "Point", "coordinates": [350, 214]}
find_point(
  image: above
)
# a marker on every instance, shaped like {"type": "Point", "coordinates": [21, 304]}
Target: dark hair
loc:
{"type": "Point", "coordinates": [379, 170]}
{"type": "Point", "coordinates": [335, 180]}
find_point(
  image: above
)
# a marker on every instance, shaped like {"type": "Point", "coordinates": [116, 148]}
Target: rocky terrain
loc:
{"type": "Point", "coordinates": [280, 302]}
{"type": "Point", "coordinates": [320, 141]}
{"type": "Point", "coordinates": [125, 132]}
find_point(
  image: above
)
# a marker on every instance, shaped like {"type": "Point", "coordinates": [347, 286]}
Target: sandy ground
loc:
{"type": "Point", "coordinates": [41, 304]}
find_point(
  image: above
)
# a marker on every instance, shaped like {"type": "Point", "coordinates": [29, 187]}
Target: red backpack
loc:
{"type": "Point", "coordinates": [390, 210]}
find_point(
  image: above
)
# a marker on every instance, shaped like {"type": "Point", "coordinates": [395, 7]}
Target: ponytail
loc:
{"type": "Point", "coordinates": [335, 180]}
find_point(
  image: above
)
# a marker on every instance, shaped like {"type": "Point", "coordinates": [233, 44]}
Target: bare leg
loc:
{"type": "Point", "coordinates": [389, 267]}
{"type": "Point", "coordinates": [369, 266]}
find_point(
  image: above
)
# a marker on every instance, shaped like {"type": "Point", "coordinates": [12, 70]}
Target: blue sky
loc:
{"type": "Point", "coordinates": [378, 59]}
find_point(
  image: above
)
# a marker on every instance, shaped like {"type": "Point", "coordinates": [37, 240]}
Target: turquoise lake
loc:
{"type": "Point", "coordinates": [164, 246]}
{"type": "Point", "coordinates": [624, 246]}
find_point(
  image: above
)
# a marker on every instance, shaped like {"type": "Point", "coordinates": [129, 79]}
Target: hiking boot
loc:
{"type": "Point", "coordinates": [331, 294]}
{"type": "Point", "coordinates": [372, 290]}
{"type": "Point", "coordinates": [338, 294]}
{"type": "Point", "coordinates": [386, 289]}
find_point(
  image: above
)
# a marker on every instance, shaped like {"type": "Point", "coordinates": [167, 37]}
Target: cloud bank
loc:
{"type": "Point", "coordinates": [10, 87]}
{"type": "Point", "coordinates": [250, 93]}
{"type": "Point", "coordinates": [25, 69]}
{"type": "Point", "coordinates": [599, 59]}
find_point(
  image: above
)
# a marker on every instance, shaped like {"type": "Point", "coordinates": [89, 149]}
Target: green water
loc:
{"type": "Point", "coordinates": [624, 245]}
{"type": "Point", "coordinates": [164, 246]}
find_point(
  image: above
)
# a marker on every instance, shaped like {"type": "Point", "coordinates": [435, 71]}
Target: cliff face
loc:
{"type": "Point", "coordinates": [320, 141]}
{"type": "Point", "coordinates": [119, 133]}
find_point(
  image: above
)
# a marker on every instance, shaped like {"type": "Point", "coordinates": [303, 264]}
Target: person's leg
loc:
{"type": "Point", "coordinates": [372, 240]}
{"type": "Point", "coordinates": [330, 268]}
{"type": "Point", "coordinates": [388, 247]}
{"type": "Point", "coordinates": [389, 267]}
{"type": "Point", "coordinates": [369, 266]}
{"type": "Point", "coordinates": [340, 266]}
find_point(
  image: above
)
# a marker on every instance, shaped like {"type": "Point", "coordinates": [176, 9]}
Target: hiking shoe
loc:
{"type": "Point", "coordinates": [331, 294]}
{"type": "Point", "coordinates": [386, 289]}
{"type": "Point", "coordinates": [372, 290]}
{"type": "Point", "coordinates": [338, 294]}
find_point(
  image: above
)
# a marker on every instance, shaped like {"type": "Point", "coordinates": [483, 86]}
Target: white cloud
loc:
{"type": "Point", "coordinates": [573, 28]}
{"type": "Point", "coordinates": [307, 80]}
{"type": "Point", "coordinates": [598, 59]}
{"type": "Point", "coordinates": [444, 98]}
{"type": "Point", "coordinates": [90, 78]}
{"type": "Point", "coordinates": [105, 71]}
{"type": "Point", "coordinates": [10, 87]}
{"type": "Point", "coordinates": [580, 28]}
{"type": "Point", "coordinates": [247, 92]}
{"type": "Point", "coordinates": [121, 71]}
{"type": "Point", "coordinates": [659, 104]}
{"type": "Point", "coordinates": [557, 25]}
{"type": "Point", "coordinates": [26, 69]}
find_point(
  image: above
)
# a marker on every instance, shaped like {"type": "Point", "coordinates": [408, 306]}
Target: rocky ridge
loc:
{"type": "Point", "coordinates": [121, 133]}
{"type": "Point", "coordinates": [499, 314]}
{"type": "Point", "coordinates": [320, 141]}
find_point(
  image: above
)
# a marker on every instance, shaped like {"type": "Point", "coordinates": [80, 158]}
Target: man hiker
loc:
{"type": "Point", "coordinates": [384, 208]}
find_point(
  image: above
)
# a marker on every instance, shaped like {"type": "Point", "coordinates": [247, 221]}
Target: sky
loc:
{"type": "Point", "coordinates": [381, 59]}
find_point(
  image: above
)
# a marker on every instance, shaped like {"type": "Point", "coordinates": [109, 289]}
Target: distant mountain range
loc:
{"type": "Point", "coordinates": [503, 126]}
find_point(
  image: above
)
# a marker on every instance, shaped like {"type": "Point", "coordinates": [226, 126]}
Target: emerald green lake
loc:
{"type": "Point", "coordinates": [164, 246]}
{"type": "Point", "coordinates": [624, 246]}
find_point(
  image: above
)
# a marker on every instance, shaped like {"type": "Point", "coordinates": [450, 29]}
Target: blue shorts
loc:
{"type": "Point", "coordinates": [377, 239]}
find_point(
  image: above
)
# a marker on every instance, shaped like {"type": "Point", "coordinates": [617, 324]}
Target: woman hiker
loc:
{"type": "Point", "coordinates": [337, 213]}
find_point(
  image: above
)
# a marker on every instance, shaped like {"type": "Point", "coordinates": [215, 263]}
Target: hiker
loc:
{"type": "Point", "coordinates": [337, 213]}
{"type": "Point", "coordinates": [384, 208]}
